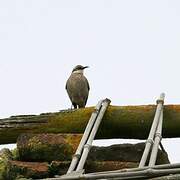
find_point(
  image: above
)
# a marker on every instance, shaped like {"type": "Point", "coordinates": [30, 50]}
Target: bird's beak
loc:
{"type": "Point", "coordinates": [85, 67]}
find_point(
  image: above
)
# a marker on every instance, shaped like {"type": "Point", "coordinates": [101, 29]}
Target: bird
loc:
{"type": "Point", "coordinates": [77, 87]}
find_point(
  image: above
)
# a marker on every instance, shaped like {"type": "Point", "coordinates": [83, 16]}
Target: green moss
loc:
{"type": "Point", "coordinates": [2, 169]}
{"type": "Point", "coordinates": [44, 147]}
{"type": "Point", "coordinates": [46, 153]}
{"type": "Point", "coordinates": [15, 154]}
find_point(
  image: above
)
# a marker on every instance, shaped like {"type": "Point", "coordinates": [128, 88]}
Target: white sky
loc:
{"type": "Point", "coordinates": [132, 48]}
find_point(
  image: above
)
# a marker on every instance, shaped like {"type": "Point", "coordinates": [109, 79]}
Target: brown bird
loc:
{"type": "Point", "coordinates": [77, 87]}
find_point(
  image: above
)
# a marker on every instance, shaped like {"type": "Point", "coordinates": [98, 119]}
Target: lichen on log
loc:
{"type": "Point", "coordinates": [118, 122]}
{"type": "Point", "coordinates": [47, 147]}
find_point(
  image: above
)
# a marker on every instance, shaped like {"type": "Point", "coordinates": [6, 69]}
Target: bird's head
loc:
{"type": "Point", "coordinates": [79, 69]}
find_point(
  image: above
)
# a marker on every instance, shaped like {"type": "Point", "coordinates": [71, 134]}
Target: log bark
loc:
{"type": "Point", "coordinates": [118, 122]}
{"type": "Point", "coordinates": [58, 147]}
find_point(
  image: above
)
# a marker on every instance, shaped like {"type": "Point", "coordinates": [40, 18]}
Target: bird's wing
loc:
{"type": "Point", "coordinates": [88, 85]}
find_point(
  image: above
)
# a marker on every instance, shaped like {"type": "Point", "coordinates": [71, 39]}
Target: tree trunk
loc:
{"type": "Point", "coordinates": [118, 122]}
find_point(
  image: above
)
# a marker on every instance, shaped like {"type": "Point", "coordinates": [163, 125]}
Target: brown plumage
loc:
{"type": "Point", "coordinates": [77, 87]}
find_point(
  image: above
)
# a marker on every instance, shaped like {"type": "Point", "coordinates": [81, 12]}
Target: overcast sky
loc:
{"type": "Point", "coordinates": [132, 48]}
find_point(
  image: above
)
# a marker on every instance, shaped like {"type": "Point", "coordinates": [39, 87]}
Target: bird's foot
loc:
{"type": "Point", "coordinates": [66, 110]}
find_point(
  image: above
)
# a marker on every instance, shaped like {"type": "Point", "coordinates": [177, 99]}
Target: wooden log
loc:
{"type": "Point", "coordinates": [47, 147]}
{"type": "Point", "coordinates": [118, 122]}
{"type": "Point", "coordinates": [39, 170]}
{"type": "Point", "coordinates": [61, 147]}
{"type": "Point", "coordinates": [34, 170]}
{"type": "Point", "coordinates": [60, 167]}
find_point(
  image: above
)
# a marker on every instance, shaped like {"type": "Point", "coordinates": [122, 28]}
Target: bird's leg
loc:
{"type": "Point", "coordinates": [75, 105]}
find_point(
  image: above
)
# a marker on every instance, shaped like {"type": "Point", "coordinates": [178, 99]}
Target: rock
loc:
{"type": "Point", "coordinates": [47, 147]}
{"type": "Point", "coordinates": [18, 169]}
